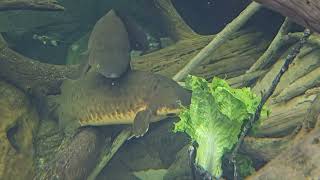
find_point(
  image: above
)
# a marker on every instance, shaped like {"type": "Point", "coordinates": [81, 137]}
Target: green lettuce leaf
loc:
{"type": "Point", "coordinates": [214, 119]}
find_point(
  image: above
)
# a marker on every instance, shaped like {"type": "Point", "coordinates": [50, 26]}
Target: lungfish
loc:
{"type": "Point", "coordinates": [138, 98]}
{"type": "Point", "coordinates": [109, 45]}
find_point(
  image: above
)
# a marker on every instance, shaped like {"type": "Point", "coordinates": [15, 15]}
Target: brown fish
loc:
{"type": "Point", "coordinates": [109, 45]}
{"type": "Point", "coordinates": [137, 98]}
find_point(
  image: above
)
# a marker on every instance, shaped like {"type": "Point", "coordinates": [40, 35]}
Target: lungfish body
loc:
{"type": "Point", "coordinates": [137, 98]}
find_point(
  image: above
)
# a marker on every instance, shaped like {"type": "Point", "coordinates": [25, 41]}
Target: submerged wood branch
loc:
{"type": "Point", "coordinates": [289, 59]}
{"type": "Point", "coordinates": [218, 40]}
{"type": "Point", "coordinates": [311, 118]}
{"type": "Point", "coordinates": [36, 5]}
{"type": "Point", "coordinates": [306, 13]}
{"type": "Point", "coordinates": [108, 153]}
{"type": "Point", "coordinates": [75, 160]}
{"type": "Point", "coordinates": [301, 85]}
{"type": "Point", "coordinates": [299, 161]}
{"type": "Point", "coordinates": [175, 25]}
{"type": "Point", "coordinates": [30, 75]}
{"type": "Point", "coordinates": [275, 45]}
{"type": "Point", "coordinates": [245, 79]}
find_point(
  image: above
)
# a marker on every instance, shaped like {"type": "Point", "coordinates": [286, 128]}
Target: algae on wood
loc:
{"type": "Point", "coordinates": [18, 126]}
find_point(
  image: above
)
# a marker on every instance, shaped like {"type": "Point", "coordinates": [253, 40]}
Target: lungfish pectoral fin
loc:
{"type": "Point", "coordinates": [141, 122]}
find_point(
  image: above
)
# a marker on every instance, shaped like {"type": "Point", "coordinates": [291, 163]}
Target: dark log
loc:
{"type": "Point", "coordinates": [75, 159]}
{"type": "Point", "coordinates": [30, 75]}
{"type": "Point", "coordinates": [303, 12]}
{"type": "Point", "coordinates": [39, 5]}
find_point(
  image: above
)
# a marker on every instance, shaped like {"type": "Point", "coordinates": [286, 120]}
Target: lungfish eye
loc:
{"type": "Point", "coordinates": [171, 115]}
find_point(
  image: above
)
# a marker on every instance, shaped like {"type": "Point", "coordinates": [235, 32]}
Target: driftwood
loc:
{"type": "Point", "coordinates": [75, 160]}
{"type": "Point", "coordinates": [19, 118]}
{"type": "Point", "coordinates": [271, 52]}
{"type": "Point", "coordinates": [39, 5]}
{"type": "Point", "coordinates": [306, 13]}
{"type": "Point", "coordinates": [218, 40]}
{"type": "Point", "coordinates": [175, 27]}
{"type": "Point", "coordinates": [244, 46]}
{"type": "Point", "coordinates": [299, 161]}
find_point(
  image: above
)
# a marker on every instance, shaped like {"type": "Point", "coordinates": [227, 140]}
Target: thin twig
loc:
{"type": "Point", "coordinates": [289, 59]}
{"type": "Point", "coordinates": [219, 39]}
{"type": "Point", "coordinates": [275, 45]}
{"type": "Point", "coordinates": [108, 153]}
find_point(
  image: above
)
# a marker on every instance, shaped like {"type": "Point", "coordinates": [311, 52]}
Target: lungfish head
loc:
{"type": "Point", "coordinates": [170, 97]}
{"type": "Point", "coordinates": [166, 99]}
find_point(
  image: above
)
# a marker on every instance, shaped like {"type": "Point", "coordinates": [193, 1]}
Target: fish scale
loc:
{"type": "Point", "coordinates": [113, 117]}
{"type": "Point", "coordinates": [121, 113]}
